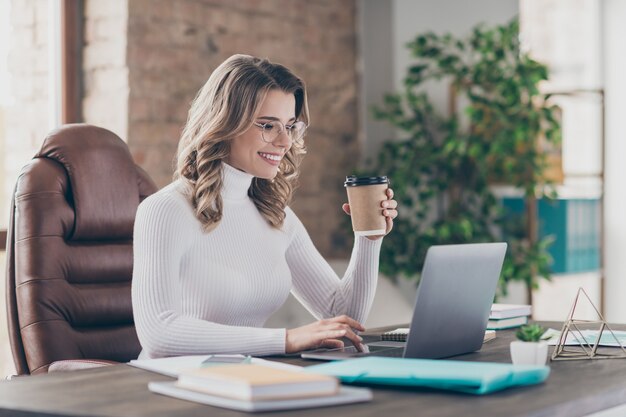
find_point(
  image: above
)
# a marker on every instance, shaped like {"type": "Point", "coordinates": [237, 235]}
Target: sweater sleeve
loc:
{"type": "Point", "coordinates": [316, 285]}
{"type": "Point", "coordinates": [164, 230]}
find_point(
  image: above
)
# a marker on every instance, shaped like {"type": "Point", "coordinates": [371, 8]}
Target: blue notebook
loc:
{"type": "Point", "coordinates": [469, 377]}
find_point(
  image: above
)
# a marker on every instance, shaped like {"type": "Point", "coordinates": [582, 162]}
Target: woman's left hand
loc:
{"type": "Point", "coordinates": [388, 206]}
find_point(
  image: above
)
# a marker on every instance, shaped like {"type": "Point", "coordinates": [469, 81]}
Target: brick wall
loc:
{"type": "Point", "coordinates": [171, 47]}
{"type": "Point", "coordinates": [105, 67]}
{"type": "Point", "coordinates": [26, 117]}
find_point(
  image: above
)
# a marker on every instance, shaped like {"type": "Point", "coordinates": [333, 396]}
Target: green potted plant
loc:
{"type": "Point", "coordinates": [529, 349]}
{"type": "Point", "coordinates": [443, 167]}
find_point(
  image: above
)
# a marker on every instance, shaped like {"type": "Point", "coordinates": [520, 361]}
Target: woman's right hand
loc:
{"type": "Point", "coordinates": [324, 333]}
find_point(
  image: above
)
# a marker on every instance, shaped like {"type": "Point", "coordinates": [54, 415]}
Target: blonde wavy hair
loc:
{"type": "Point", "coordinates": [223, 109]}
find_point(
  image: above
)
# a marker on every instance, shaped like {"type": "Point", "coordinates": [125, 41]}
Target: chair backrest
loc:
{"type": "Point", "coordinates": [69, 250]}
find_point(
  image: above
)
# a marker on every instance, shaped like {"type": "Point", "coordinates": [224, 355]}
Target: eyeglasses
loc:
{"type": "Point", "coordinates": [271, 130]}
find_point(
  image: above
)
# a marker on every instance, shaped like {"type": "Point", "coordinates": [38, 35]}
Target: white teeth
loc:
{"type": "Point", "coordinates": [270, 156]}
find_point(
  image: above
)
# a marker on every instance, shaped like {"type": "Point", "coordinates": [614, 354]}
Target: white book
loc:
{"type": "Point", "coordinates": [346, 395]}
{"type": "Point", "coordinates": [504, 311]}
{"type": "Point", "coordinates": [173, 366]}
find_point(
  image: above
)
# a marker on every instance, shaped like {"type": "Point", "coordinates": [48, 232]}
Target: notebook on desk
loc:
{"type": "Point", "coordinates": [401, 334]}
{"type": "Point", "coordinates": [346, 395]}
{"type": "Point", "coordinates": [452, 307]}
{"type": "Point", "coordinates": [469, 377]}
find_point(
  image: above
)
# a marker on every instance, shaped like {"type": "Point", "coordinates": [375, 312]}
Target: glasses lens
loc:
{"type": "Point", "coordinates": [297, 130]}
{"type": "Point", "coordinates": [271, 130]}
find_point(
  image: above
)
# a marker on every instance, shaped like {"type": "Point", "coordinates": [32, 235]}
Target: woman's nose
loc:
{"type": "Point", "coordinates": [283, 139]}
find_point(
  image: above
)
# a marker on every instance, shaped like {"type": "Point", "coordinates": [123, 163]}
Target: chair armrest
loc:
{"type": "Point", "coordinates": [78, 364]}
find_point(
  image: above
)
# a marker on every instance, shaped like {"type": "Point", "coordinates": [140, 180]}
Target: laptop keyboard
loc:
{"type": "Point", "coordinates": [385, 351]}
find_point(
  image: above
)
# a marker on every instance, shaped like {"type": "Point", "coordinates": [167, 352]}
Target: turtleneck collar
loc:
{"type": "Point", "coordinates": [235, 183]}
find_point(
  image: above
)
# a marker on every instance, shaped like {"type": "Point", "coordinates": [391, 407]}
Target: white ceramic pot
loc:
{"type": "Point", "coordinates": [529, 353]}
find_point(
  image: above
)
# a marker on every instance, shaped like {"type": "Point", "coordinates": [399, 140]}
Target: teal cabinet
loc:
{"type": "Point", "coordinates": [575, 224]}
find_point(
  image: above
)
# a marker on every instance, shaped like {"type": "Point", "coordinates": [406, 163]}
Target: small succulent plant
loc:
{"type": "Point", "coordinates": [530, 333]}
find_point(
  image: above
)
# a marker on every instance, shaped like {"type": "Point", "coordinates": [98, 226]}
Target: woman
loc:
{"type": "Point", "coordinates": [218, 251]}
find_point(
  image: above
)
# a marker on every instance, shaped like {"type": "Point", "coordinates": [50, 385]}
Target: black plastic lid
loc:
{"type": "Point", "coordinates": [353, 181]}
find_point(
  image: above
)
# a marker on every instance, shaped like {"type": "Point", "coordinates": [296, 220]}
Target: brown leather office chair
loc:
{"type": "Point", "coordinates": [69, 252]}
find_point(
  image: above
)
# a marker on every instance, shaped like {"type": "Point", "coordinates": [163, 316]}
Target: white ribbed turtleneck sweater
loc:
{"type": "Point", "coordinates": [202, 293]}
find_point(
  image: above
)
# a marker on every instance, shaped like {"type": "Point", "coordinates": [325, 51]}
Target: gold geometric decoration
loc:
{"type": "Point", "coordinates": [585, 349]}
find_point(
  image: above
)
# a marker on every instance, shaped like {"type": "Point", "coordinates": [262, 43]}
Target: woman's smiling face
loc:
{"type": "Point", "coordinates": [249, 153]}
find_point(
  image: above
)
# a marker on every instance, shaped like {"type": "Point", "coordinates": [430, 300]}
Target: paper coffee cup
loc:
{"type": "Point", "coordinates": [364, 196]}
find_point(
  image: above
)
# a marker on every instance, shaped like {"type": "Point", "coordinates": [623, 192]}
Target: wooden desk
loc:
{"type": "Point", "coordinates": [574, 388]}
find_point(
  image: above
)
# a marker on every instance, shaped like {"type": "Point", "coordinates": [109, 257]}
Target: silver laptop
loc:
{"type": "Point", "coordinates": [452, 306]}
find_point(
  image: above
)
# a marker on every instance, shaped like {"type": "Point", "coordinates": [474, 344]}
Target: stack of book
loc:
{"type": "Point", "coordinates": [506, 316]}
{"type": "Point", "coordinates": [250, 387]}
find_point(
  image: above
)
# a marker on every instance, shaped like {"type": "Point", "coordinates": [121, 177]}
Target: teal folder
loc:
{"type": "Point", "coordinates": [468, 377]}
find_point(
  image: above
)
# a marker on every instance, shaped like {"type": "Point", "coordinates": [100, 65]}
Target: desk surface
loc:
{"type": "Point", "coordinates": [574, 388]}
